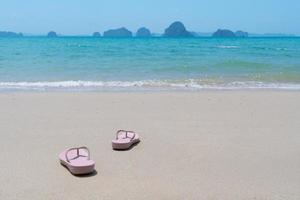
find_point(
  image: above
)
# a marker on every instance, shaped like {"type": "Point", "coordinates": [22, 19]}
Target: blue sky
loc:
{"type": "Point", "coordinates": [87, 16]}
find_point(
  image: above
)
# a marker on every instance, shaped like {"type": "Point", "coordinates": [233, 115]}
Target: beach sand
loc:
{"type": "Point", "coordinates": [195, 145]}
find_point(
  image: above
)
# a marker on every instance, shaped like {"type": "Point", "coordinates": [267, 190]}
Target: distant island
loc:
{"type": "Point", "coordinates": [10, 34]}
{"type": "Point", "coordinates": [241, 34]}
{"type": "Point", "coordinates": [96, 34]}
{"type": "Point", "coordinates": [119, 32]}
{"type": "Point", "coordinates": [229, 34]}
{"type": "Point", "coordinates": [143, 32]}
{"type": "Point", "coordinates": [52, 34]}
{"type": "Point", "coordinates": [223, 33]}
{"type": "Point", "coordinates": [177, 29]}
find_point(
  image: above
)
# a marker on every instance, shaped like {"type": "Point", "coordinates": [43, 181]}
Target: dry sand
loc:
{"type": "Point", "coordinates": [203, 145]}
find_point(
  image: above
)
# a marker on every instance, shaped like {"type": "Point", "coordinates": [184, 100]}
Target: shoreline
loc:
{"type": "Point", "coordinates": [150, 92]}
{"type": "Point", "coordinates": [148, 85]}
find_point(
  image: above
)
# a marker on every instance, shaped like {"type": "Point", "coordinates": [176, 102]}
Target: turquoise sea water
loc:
{"type": "Point", "coordinates": [85, 63]}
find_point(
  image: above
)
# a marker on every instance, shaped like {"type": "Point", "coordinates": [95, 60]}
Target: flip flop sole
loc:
{"type": "Point", "coordinates": [76, 170]}
{"type": "Point", "coordinates": [124, 146]}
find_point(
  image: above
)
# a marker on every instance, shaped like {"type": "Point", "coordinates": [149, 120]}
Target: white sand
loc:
{"type": "Point", "coordinates": [205, 145]}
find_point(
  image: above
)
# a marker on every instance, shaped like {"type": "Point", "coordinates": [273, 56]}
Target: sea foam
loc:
{"type": "Point", "coordinates": [146, 84]}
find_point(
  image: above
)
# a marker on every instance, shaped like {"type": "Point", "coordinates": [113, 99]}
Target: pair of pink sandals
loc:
{"type": "Point", "coordinates": [77, 160]}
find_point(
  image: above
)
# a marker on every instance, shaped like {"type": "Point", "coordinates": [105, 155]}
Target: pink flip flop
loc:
{"type": "Point", "coordinates": [125, 139]}
{"type": "Point", "coordinates": [77, 160]}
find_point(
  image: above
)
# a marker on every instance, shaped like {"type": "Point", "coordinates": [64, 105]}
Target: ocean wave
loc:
{"type": "Point", "coordinates": [147, 84]}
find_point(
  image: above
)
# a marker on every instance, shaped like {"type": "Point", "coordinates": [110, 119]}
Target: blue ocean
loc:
{"type": "Point", "coordinates": [86, 63]}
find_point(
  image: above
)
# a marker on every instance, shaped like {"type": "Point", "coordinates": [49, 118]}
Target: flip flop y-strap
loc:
{"type": "Point", "coordinates": [118, 133]}
{"type": "Point", "coordinates": [131, 138]}
{"type": "Point", "coordinates": [126, 134]}
{"type": "Point", "coordinates": [78, 155]}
